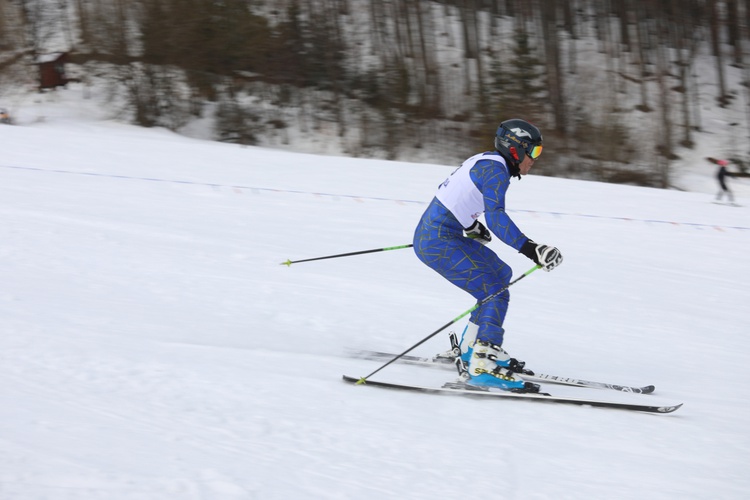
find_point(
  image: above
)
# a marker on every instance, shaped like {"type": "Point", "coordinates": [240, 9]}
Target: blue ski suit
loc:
{"type": "Point", "coordinates": [477, 186]}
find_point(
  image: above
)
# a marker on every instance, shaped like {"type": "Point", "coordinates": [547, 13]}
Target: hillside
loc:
{"type": "Point", "coordinates": [635, 93]}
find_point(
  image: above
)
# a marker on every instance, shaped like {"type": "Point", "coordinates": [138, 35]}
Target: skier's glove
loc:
{"type": "Point", "coordinates": [478, 232]}
{"type": "Point", "coordinates": [543, 255]}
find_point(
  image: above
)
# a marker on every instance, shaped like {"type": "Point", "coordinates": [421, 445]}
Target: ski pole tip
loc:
{"type": "Point", "coordinates": [360, 381]}
{"type": "Point", "coordinates": [287, 263]}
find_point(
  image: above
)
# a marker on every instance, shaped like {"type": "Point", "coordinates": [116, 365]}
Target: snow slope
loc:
{"type": "Point", "coordinates": [152, 347]}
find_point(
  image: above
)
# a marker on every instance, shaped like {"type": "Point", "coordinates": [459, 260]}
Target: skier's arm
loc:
{"type": "Point", "coordinates": [493, 183]}
{"type": "Point", "coordinates": [493, 188]}
{"type": "Point", "coordinates": [504, 228]}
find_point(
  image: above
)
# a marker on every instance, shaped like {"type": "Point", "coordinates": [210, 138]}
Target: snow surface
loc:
{"type": "Point", "coordinates": [152, 347]}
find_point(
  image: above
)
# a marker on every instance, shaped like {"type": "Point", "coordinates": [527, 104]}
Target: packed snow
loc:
{"type": "Point", "coordinates": [152, 346]}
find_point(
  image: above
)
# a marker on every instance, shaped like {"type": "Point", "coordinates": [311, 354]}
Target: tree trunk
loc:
{"type": "Point", "coordinates": [664, 136]}
{"type": "Point", "coordinates": [734, 30]}
{"type": "Point", "coordinates": [716, 46]}
{"type": "Point", "coordinates": [643, 47]}
{"type": "Point", "coordinates": [552, 62]}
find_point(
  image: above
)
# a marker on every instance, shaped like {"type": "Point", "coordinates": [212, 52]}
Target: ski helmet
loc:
{"type": "Point", "coordinates": [517, 138]}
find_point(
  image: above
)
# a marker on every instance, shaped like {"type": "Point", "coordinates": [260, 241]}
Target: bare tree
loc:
{"type": "Point", "coordinates": [664, 136]}
{"type": "Point", "coordinates": [643, 24]}
{"type": "Point", "coordinates": [555, 83]}
{"type": "Point", "coordinates": [10, 36]}
{"type": "Point", "coordinates": [571, 27]}
{"type": "Point", "coordinates": [38, 25]}
{"type": "Point", "coordinates": [734, 30]}
{"type": "Point", "coordinates": [715, 27]}
{"type": "Point", "coordinates": [427, 45]}
{"type": "Point", "coordinates": [685, 33]}
{"type": "Point", "coordinates": [471, 49]}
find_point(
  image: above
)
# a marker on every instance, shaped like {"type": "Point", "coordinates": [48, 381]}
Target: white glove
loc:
{"type": "Point", "coordinates": [546, 256]}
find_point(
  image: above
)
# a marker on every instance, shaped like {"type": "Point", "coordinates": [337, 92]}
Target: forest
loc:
{"type": "Point", "coordinates": [616, 86]}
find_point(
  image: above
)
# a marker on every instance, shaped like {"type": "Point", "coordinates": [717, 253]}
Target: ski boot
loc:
{"type": "Point", "coordinates": [485, 371]}
{"type": "Point", "coordinates": [465, 348]}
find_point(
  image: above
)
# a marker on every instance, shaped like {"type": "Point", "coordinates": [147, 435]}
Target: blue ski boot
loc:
{"type": "Point", "coordinates": [465, 348]}
{"type": "Point", "coordinates": [485, 369]}
{"type": "Point", "coordinates": [502, 358]}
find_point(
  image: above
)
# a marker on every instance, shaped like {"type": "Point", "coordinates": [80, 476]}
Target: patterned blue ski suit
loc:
{"type": "Point", "coordinates": [477, 186]}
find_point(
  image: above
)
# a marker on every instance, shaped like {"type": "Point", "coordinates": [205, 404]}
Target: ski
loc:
{"type": "Point", "coordinates": [459, 388]}
{"type": "Point", "coordinates": [728, 204]}
{"type": "Point", "coordinates": [449, 363]}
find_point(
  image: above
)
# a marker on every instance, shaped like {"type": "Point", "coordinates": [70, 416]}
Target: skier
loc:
{"type": "Point", "coordinates": [450, 239]}
{"type": "Point", "coordinates": [721, 175]}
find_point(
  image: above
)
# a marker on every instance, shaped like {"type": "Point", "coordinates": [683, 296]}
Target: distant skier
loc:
{"type": "Point", "coordinates": [478, 186]}
{"type": "Point", "coordinates": [722, 175]}
{"type": "Point", "coordinates": [4, 116]}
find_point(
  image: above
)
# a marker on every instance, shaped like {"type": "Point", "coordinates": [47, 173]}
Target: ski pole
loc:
{"type": "Point", "coordinates": [288, 263]}
{"type": "Point", "coordinates": [454, 320]}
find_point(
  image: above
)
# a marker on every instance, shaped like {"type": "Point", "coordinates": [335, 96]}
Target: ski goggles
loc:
{"type": "Point", "coordinates": [535, 151]}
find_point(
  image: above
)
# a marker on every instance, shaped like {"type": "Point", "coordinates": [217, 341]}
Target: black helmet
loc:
{"type": "Point", "coordinates": [517, 138]}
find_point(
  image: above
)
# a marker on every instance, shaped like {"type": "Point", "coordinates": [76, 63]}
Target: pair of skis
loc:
{"type": "Point", "coordinates": [461, 388]}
